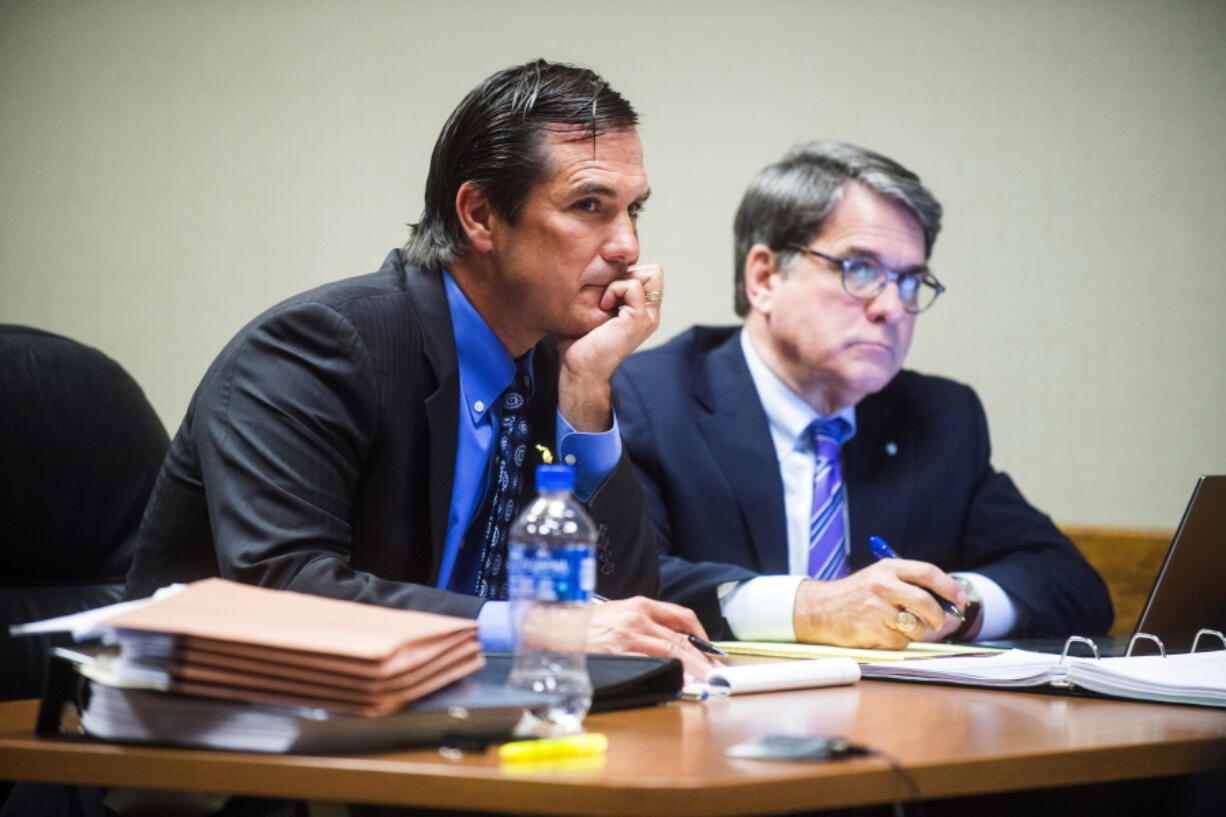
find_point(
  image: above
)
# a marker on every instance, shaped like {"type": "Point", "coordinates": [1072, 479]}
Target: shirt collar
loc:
{"type": "Point", "coordinates": [486, 368]}
{"type": "Point", "coordinates": [787, 414]}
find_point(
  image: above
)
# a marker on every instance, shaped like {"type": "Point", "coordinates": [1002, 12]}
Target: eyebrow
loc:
{"type": "Point", "coordinates": [597, 189]}
{"type": "Point", "coordinates": [593, 189]}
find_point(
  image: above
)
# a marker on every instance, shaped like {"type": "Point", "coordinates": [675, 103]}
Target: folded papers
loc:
{"type": "Point", "coordinates": [226, 640]}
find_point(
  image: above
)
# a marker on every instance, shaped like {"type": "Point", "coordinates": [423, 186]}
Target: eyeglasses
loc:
{"type": "Point", "coordinates": [866, 278]}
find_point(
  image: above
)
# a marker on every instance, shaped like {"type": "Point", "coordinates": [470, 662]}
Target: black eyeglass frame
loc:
{"type": "Point", "coordinates": [924, 278]}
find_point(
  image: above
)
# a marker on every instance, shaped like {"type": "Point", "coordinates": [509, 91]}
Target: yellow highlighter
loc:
{"type": "Point", "coordinates": [530, 751]}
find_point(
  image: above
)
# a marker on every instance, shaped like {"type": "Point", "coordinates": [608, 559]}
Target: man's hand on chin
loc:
{"type": "Point", "coordinates": [588, 362]}
{"type": "Point", "coordinates": [862, 610]}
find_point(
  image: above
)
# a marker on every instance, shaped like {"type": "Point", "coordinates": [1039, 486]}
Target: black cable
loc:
{"type": "Point", "coordinates": [908, 782]}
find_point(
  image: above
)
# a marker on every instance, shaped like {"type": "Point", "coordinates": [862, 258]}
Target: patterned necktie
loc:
{"type": "Point", "coordinates": [827, 529]}
{"type": "Point", "coordinates": [502, 495]}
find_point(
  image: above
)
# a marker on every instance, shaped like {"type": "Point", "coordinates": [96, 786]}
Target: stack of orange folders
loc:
{"type": "Point", "coordinates": [226, 640]}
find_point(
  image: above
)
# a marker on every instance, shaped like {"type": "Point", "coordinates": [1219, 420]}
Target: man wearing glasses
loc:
{"type": "Point", "coordinates": [771, 453]}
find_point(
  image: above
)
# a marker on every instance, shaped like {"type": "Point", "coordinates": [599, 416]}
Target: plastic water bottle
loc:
{"type": "Point", "coordinates": [551, 572]}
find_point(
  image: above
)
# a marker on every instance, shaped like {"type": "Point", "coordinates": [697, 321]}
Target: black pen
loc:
{"type": "Point", "coordinates": [705, 646]}
{"type": "Point", "coordinates": [699, 643]}
{"type": "Point", "coordinates": [883, 551]}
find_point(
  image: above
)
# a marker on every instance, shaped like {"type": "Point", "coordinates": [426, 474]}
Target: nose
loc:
{"type": "Point", "coordinates": [887, 306]}
{"type": "Point", "coordinates": [621, 247]}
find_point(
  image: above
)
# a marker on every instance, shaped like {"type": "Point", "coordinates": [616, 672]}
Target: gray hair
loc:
{"type": "Point", "coordinates": [788, 202]}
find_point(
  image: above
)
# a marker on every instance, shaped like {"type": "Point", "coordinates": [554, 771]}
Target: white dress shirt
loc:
{"type": "Point", "coordinates": [760, 609]}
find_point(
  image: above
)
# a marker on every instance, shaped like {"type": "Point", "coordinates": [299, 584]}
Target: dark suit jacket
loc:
{"type": "Point", "coordinates": [699, 437]}
{"type": "Point", "coordinates": [318, 453]}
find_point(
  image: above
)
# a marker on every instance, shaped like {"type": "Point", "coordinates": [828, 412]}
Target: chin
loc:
{"type": "Point", "coordinates": [579, 324]}
{"type": "Point", "coordinates": [871, 382]}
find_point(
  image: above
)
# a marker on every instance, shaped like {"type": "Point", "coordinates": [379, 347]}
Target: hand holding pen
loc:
{"type": "Point", "coordinates": [881, 550]}
{"type": "Point", "coordinates": [643, 626]}
{"type": "Point", "coordinates": [886, 605]}
{"type": "Point", "coordinates": [701, 643]}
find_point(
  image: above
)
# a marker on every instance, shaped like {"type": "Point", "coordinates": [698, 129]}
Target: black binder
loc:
{"type": "Point", "coordinates": [618, 681]}
{"type": "Point", "coordinates": [469, 712]}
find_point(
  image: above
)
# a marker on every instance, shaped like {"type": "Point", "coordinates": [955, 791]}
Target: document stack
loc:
{"type": "Point", "coordinates": [222, 665]}
{"type": "Point", "coordinates": [226, 640]}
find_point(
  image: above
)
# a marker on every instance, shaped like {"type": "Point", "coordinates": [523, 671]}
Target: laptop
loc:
{"type": "Point", "coordinates": [1189, 592]}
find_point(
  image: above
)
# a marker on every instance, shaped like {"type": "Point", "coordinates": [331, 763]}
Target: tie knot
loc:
{"type": "Point", "coordinates": [520, 389]}
{"type": "Point", "coordinates": [827, 436]}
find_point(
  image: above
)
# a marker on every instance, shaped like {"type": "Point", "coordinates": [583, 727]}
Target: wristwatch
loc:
{"type": "Point", "coordinates": [973, 612]}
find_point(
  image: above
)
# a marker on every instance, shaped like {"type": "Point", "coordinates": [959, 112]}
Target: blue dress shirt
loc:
{"type": "Point", "coordinates": [486, 369]}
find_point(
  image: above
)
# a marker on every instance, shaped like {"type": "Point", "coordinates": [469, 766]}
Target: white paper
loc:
{"type": "Point", "coordinates": [777, 675]}
{"type": "Point", "coordinates": [87, 624]}
{"type": "Point", "coordinates": [1193, 678]}
{"type": "Point", "coordinates": [1006, 669]}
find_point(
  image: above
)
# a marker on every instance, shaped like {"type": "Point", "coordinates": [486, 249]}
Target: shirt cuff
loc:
{"type": "Point", "coordinates": [594, 455]}
{"type": "Point", "coordinates": [760, 609]}
{"type": "Point", "coordinates": [999, 610]}
{"type": "Point", "coordinates": [494, 626]}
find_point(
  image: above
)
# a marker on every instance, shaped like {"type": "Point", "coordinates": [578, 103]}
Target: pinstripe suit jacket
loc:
{"type": "Point", "coordinates": [318, 452]}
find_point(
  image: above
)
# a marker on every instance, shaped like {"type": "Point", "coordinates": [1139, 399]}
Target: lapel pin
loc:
{"type": "Point", "coordinates": [891, 449]}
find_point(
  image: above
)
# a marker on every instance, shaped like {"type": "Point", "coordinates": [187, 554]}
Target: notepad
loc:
{"type": "Point", "coordinates": [788, 649]}
{"type": "Point", "coordinates": [780, 675]}
{"type": "Point", "coordinates": [1188, 678]}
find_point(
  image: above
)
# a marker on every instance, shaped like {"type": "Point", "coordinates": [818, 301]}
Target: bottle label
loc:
{"type": "Point", "coordinates": [566, 573]}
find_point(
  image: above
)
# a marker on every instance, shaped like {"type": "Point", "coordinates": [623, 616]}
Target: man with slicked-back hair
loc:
{"type": "Point", "coordinates": [341, 444]}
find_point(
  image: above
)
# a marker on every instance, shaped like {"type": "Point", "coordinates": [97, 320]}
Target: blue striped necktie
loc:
{"type": "Point", "coordinates": [827, 527]}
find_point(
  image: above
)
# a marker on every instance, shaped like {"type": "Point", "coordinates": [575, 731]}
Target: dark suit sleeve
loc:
{"type": "Point", "coordinates": [1020, 548]}
{"type": "Point", "coordinates": [627, 563]}
{"type": "Point", "coordinates": [282, 430]}
{"type": "Point", "coordinates": [690, 583]}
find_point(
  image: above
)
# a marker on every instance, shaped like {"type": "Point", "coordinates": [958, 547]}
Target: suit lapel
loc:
{"type": "Point", "coordinates": [443, 405]}
{"type": "Point", "coordinates": [877, 473]}
{"type": "Point", "coordinates": [735, 428]}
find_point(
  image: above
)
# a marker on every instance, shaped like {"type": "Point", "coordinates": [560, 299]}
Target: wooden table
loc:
{"type": "Point", "coordinates": [670, 759]}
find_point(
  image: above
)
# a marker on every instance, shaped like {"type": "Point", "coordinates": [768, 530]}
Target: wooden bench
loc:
{"type": "Point", "coordinates": [1128, 559]}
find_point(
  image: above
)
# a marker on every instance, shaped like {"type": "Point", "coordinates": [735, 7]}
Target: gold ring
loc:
{"type": "Point", "coordinates": [905, 621]}
{"type": "Point", "coordinates": [654, 295]}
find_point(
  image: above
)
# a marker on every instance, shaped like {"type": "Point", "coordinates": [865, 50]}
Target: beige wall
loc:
{"type": "Point", "coordinates": [167, 170]}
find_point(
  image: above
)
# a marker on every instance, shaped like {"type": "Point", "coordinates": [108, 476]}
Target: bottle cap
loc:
{"type": "Point", "coordinates": [555, 478]}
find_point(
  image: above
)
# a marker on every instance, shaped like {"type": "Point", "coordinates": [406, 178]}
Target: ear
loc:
{"type": "Point", "coordinates": [761, 266]}
{"type": "Point", "coordinates": [474, 212]}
